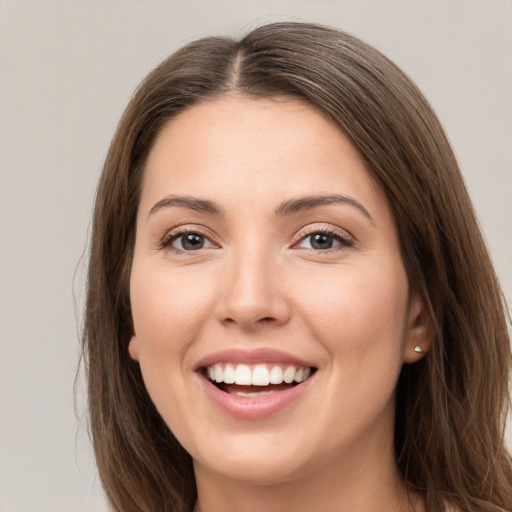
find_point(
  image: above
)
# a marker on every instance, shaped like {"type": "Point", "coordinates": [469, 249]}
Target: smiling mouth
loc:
{"type": "Point", "coordinates": [255, 380]}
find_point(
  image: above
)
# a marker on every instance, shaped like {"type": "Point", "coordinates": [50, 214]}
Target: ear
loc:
{"type": "Point", "coordinates": [419, 330]}
{"type": "Point", "coordinates": [133, 348]}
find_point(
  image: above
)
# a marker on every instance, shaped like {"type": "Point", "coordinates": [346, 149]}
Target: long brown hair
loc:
{"type": "Point", "coordinates": [451, 406]}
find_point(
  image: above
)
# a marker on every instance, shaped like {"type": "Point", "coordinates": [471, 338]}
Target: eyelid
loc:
{"type": "Point", "coordinates": [339, 233]}
{"type": "Point", "coordinates": [174, 233]}
{"type": "Point", "coordinates": [344, 235]}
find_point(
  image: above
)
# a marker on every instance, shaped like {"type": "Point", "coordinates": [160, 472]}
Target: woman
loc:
{"type": "Point", "coordinates": [290, 305]}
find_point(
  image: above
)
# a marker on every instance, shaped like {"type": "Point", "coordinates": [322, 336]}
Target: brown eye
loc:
{"type": "Point", "coordinates": [188, 241]}
{"type": "Point", "coordinates": [324, 240]}
{"type": "Point", "coordinates": [321, 241]}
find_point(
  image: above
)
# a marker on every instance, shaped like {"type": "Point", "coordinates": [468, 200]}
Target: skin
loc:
{"type": "Point", "coordinates": [257, 282]}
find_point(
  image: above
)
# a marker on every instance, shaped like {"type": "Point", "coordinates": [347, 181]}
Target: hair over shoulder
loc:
{"type": "Point", "coordinates": [452, 405]}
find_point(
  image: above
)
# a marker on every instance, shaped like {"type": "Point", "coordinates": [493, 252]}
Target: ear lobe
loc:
{"type": "Point", "coordinates": [133, 348]}
{"type": "Point", "coordinates": [419, 330]}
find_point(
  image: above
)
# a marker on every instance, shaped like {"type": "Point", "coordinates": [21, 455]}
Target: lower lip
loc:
{"type": "Point", "coordinates": [257, 407]}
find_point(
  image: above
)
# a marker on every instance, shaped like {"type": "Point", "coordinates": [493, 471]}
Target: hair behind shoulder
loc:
{"type": "Point", "coordinates": [451, 406]}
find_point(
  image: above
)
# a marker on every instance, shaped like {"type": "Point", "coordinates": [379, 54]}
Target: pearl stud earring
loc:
{"type": "Point", "coordinates": [418, 349]}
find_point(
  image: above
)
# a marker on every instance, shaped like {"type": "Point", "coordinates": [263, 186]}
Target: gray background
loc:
{"type": "Point", "coordinates": [67, 70]}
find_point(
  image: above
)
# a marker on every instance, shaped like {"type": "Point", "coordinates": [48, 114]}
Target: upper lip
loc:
{"type": "Point", "coordinates": [254, 356]}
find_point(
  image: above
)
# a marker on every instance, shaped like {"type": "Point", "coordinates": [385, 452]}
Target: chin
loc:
{"type": "Point", "coordinates": [257, 468]}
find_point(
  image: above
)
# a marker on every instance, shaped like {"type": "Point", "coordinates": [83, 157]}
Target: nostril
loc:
{"type": "Point", "coordinates": [264, 320]}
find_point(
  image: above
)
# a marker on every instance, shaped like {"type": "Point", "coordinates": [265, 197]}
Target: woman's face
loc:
{"type": "Point", "coordinates": [265, 253]}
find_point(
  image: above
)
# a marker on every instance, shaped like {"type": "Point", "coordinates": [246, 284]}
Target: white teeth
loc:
{"type": "Point", "coordinates": [302, 374]}
{"type": "Point", "coordinates": [276, 375]}
{"type": "Point", "coordinates": [289, 374]}
{"type": "Point", "coordinates": [243, 375]}
{"type": "Point", "coordinates": [259, 375]}
{"type": "Point", "coordinates": [229, 374]}
{"type": "Point", "coordinates": [298, 375]}
{"type": "Point", "coordinates": [256, 393]}
{"type": "Point", "coordinates": [219, 374]}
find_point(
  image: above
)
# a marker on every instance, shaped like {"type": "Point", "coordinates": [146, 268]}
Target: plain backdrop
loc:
{"type": "Point", "coordinates": [67, 70]}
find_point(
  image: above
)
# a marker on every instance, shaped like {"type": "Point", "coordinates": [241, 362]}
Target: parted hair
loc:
{"type": "Point", "coordinates": [451, 406]}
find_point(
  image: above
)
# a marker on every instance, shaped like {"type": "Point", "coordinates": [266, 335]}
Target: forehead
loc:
{"type": "Point", "coordinates": [258, 149]}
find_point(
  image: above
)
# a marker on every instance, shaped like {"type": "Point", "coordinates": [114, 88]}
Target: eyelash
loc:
{"type": "Point", "coordinates": [345, 240]}
{"type": "Point", "coordinates": [175, 235]}
{"type": "Point", "coordinates": [340, 236]}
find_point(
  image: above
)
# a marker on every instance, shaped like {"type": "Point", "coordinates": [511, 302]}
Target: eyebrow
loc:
{"type": "Point", "coordinates": [310, 202]}
{"type": "Point", "coordinates": [192, 203]}
{"type": "Point", "coordinates": [286, 208]}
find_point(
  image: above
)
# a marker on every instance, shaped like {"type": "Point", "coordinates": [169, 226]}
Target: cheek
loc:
{"type": "Point", "coordinates": [359, 318]}
{"type": "Point", "coordinates": [168, 310]}
{"type": "Point", "coordinates": [168, 314]}
{"type": "Point", "coordinates": [359, 312]}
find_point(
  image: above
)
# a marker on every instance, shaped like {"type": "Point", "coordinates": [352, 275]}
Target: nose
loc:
{"type": "Point", "coordinates": [252, 292]}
